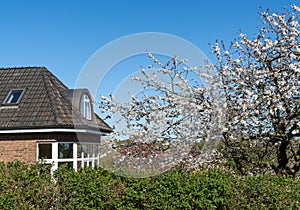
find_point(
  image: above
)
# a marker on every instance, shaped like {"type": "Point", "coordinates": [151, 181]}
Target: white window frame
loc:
{"type": "Point", "coordinates": [91, 159]}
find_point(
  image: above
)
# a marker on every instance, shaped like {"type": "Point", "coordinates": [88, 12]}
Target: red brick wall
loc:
{"type": "Point", "coordinates": [18, 150]}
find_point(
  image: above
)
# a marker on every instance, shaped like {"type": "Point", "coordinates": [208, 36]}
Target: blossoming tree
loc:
{"type": "Point", "coordinates": [261, 83]}
{"type": "Point", "coordinates": [249, 100]}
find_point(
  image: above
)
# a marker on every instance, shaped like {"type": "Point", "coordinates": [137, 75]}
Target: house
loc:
{"type": "Point", "coordinates": [40, 118]}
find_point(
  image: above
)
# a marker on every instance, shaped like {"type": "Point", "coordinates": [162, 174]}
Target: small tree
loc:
{"type": "Point", "coordinates": [262, 87]}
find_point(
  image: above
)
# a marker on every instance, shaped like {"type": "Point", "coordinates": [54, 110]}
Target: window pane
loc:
{"type": "Point", "coordinates": [79, 150]}
{"type": "Point", "coordinates": [96, 150]}
{"type": "Point", "coordinates": [78, 165]}
{"type": "Point", "coordinates": [90, 146]}
{"type": "Point", "coordinates": [65, 150]}
{"type": "Point", "coordinates": [88, 111]}
{"type": "Point", "coordinates": [85, 150]}
{"type": "Point", "coordinates": [45, 151]}
{"type": "Point", "coordinates": [96, 162]}
{"type": "Point", "coordinates": [68, 164]}
{"type": "Point", "coordinates": [82, 109]}
{"type": "Point", "coordinates": [13, 97]}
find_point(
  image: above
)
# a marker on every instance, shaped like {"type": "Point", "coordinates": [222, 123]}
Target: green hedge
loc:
{"type": "Point", "coordinates": [24, 187]}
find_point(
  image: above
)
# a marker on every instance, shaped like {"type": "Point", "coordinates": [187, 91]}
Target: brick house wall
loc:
{"type": "Point", "coordinates": [18, 150]}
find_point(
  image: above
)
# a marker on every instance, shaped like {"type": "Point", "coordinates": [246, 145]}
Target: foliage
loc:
{"type": "Point", "coordinates": [24, 187]}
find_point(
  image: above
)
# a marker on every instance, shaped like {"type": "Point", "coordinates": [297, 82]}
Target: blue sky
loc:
{"type": "Point", "coordinates": [63, 34]}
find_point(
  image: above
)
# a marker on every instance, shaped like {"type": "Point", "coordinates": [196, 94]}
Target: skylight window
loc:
{"type": "Point", "coordinates": [14, 97]}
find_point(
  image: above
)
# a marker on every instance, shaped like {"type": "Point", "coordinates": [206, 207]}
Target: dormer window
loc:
{"type": "Point", "coordinates": [14, 97]}
{"type": "Point", "coordinates": [85, 107]}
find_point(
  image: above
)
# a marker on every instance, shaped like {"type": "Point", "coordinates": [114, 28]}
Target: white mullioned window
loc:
{"type": "Point", "coordinates": [74, 155]}
{"type": "Point", "coordinates": [86, 107]}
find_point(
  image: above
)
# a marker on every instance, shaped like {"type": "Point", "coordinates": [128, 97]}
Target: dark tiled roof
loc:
{"type": "Point", "coordinates": [46, 103]}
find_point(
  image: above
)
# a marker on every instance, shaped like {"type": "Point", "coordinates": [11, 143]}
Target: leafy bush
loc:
{"type": "Point", "coordinates": [29, 187]}
{"type": "Point", "coordinates": [26, 187]}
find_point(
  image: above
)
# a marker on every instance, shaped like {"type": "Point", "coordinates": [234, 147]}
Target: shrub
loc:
{"type": "Point", "coordinates": [29, 187]}
{"type": "Point", "coordinates": [26, 187]}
